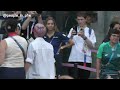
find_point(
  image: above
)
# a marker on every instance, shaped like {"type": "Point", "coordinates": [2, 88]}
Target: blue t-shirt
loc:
{"type": "Point", "coordinates": [56, 40]}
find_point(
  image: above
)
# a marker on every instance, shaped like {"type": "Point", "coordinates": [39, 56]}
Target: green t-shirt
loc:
{"type": "Point", "coordinates": [104, 53]}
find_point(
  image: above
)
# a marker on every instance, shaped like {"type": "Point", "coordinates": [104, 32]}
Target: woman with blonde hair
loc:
{"type": "Point", "coordinates": [57, 39]}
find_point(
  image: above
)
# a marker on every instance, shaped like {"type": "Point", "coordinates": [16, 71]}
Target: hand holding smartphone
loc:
{"type": "Point", "coordinates": [81, 33]}
{"type": "Point", "coordinates": [74, 31]}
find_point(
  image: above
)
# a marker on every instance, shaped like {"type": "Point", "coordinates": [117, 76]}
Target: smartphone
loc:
{"type": "Point", "coordinates": [74, 31]}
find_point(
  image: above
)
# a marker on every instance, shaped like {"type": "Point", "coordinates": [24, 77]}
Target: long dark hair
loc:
{"type": "Point", "coordinates": [111, 27]}
{"type": "Point", "coordinates": [111, 30]}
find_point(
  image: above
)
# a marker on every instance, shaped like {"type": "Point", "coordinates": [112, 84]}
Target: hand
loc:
{"type": "Point", "coordinates": [81, 33]}
{"type": "Point", "coordinates": [61, 47]}
{"type": "Point", "coordinates": [74, 32]}
{"type": "Point", "coordinates": [33, 14]}
{"type": "Point", "coordinates": [119, 71]}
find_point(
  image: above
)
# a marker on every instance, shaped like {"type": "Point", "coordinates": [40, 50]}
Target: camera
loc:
{"type": "Point", "coordinates": [74, 30]}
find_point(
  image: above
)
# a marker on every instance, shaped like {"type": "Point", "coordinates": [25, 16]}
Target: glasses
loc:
{"type": "Point", "coordinates": [115, 35]}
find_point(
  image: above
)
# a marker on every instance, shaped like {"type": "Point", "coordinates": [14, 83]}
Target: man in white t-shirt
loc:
{"type": "Point", "coordinates": [40, 57]}
{"type": "Point", "coordinates": [84, 40]}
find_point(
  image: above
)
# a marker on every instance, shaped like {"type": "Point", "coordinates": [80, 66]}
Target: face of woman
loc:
{"type": "Point", "coordinates": [114, 38]}
{"type": "Point", "coordinates": [50, 25]}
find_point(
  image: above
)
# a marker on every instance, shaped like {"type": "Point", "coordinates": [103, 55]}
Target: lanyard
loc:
{"type": "Point", "coordinates": [84, 56]}
{"type": "Point", "coordinates": [85, 59]}
{"type": "Point", "coordinates": [51, 39]}
{"type": "Point", "coordinates": [29, 31]}
{"type": "Point", "coordinates": [113, 52]}
{"type": "Point", "coordinates": [59, 45]}
{"type": "Point", "coordinates": [32, 27]}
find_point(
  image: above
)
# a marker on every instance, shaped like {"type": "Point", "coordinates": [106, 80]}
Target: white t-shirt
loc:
{"type": "Point", "coordinates": [14, 56]}
{"type": "Point", "coordinates": [41, 56]}
{"type": "Point", "coordinates": [77, 54]}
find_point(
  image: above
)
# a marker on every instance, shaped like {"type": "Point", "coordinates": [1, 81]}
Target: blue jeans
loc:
{"type": "Point", "coordinates": [12, 73]}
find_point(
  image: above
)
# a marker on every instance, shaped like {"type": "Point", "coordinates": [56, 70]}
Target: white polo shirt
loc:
{"type": "Point", "coordinates": [77, 54]}
{"type": "Point", "coordinates": [41, 56]}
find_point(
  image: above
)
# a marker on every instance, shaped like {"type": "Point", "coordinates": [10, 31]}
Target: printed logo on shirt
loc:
{"type": "Point", "coordinates": [106, 54]}
{"type": "Point", "coordinates": [55, 37]}
{"type": "Point", "coordinates": [35, 74]}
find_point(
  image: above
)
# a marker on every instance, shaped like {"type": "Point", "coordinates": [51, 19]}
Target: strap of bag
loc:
{"type": "Point", "coordinates": [90, 30]}
{"type": "Point", "coordinates": [113, 52]}
{"type": "Point", "coordinates": [20, 48]}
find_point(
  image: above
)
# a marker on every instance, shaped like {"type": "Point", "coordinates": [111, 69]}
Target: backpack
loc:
{"type": "Point", "coordinates": [90, 30]}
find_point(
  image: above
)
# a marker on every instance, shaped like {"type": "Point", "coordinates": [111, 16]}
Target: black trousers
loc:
{"type": "Point", "coordinates": [12, 73]}
{"type": "Point", "coordinates": [58, 65]}
{"type": "Point", "coordinates": [79, 73]}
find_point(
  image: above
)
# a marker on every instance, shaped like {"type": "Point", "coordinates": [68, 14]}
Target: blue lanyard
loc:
{"type": "Point", "coordinates": [113, 52]}
{"type": "Point", "coordinates": [51, 40]}
{"type": "Point", "coordinates": [85, 59]}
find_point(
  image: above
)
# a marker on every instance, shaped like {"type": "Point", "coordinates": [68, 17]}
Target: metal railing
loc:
{"type": "Point", "coordinates": [80, 66]}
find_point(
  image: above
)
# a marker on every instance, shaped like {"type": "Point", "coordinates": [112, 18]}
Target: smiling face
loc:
{"type": "Point", "coordinates": [51, 24]}
{"type": "Point", "coordinates": [115, 38]}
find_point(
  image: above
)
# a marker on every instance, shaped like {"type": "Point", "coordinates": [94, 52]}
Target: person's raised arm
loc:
{"type": "Point", "coordinates": [27, 21]}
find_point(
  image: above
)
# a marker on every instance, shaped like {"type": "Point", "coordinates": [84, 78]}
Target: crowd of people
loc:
{"type": "Point", "coordinates": [34, 49]}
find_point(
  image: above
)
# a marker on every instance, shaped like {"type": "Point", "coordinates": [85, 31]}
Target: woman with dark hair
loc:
{"type": "Point", "coordinates": [11, 56]}
{"type": "Point", "coordinates": [108, 58]}
{"type": "Point", "coordinates": [113, 26]}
